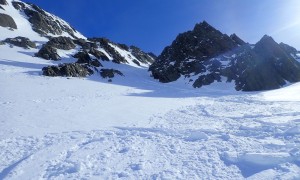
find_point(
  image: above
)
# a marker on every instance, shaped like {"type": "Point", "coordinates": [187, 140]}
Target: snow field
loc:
{"type": "Point", "coordinates": [137, 128]}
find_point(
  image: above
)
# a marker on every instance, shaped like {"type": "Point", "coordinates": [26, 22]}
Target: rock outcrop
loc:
{"type": "Point", "coordinates": [61, 42]}
{"type": "Point", "coordinates": [3, 2]}
{"type": "Point", "coordinates": [48, 52]}
{"type": "Point", "coordinates": [7, 21]}
{"type": "Point", "coordinates": [67, 70]}
{"type": "Point", "coordinates": [110, 73]}
{"type": "Point", "coordinates": [20, 42]}
{"type": "Point", "coordinates": [42, 22]}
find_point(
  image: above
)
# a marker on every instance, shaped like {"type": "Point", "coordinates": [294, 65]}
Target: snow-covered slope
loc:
{"type": "Point", "coordinates": [55, 39]}
{"type": "Point", "coordinates": [137, 128]}
{"type": "Point", "coordinates": [134, 127]}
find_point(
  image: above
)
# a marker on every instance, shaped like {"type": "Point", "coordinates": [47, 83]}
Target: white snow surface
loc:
{"type": "Point", "coordinates": [138, 128]}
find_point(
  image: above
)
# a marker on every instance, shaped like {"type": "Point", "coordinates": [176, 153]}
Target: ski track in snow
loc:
{"type": "Point", "coordinates": [224, 138]}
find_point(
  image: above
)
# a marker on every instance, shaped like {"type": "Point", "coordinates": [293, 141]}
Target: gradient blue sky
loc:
{"type": "Point", "coordinates": [154, 24]}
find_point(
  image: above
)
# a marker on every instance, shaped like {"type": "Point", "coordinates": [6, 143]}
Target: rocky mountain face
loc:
{"type": "Point", "coordinates": [53, 38]}
{"type": "Point", "coordinates": [205, 55]}
{"type": "Point", "coordinates": [201, 56]}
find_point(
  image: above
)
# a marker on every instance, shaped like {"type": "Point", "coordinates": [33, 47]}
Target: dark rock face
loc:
{"type": "Point", "coordinates": [68, 70]}
{"type": "Point", "coordinates": [83, 57]}
{"type": "Point", "coordinates": [18, 5]}
{"type": "Point", "coordinates": [96, 63]}
{"type": "Point", "coordinates": [188, 52]}
{"type": "Point", "coordinates": [284, 65]}
{"type": "Point", "coordinates": [48, 52]}
{"type": "Point", "coordinates": [264, 66]}
{"type": "Point", "coordinates": [110, 73]}
{"type": "Point", "coordinates": [152, 55]}
{"type": "Point", "coordinates": [86, 45]}
{"type": "Point", "coordinates": [104, 43]}
{"type": "Point", "coordinates": [288, 49]}
{"type": "Point", "coordinates": [7, 21]}
{"type": "Point", "coordinates": [141, 56]}
{"type": "Point", "coordinates": [21, 42]}
{"type": "Point", "coordinates": [237, 39]}
{"type": "Point", "coordinates": [42, 22]}
{"type": "Point", "coordinates": [98, 54]}
{"type": "Point", "coordinates": [61, 42]}
{"type": "Point", "coordinates": [3, 2]}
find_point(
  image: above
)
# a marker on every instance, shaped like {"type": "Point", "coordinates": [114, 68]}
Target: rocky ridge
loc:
{"type": "Point", "coordinates": [205, 55]}
{"type": "Point", "coordinates": [55, 38]}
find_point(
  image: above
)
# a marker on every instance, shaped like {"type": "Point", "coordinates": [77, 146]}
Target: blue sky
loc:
{"type": "Point", "coordinates": [154, 24]}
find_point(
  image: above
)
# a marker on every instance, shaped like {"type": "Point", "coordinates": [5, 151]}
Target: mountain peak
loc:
{"type": "Point", "coordinates": [268, 47]}
{"type": "Point", "coordinates": [267, 38]}
{"type": "Point", "coordinates": [203, 26]}
{"type": "Point", "coordinates": [237, 39]}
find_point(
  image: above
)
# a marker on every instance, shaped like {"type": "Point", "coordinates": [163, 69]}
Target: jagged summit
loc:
{"type": "Point", "coordinates": [237, 39]}
{"type": "Point", "coordinates": [203, 26]}
{"type": "Point", "coordinates": [268, 48]}
{"type": "Point", "coordinates": [188, 52]}
{"type": "Point", "coordinates": [205, 55]}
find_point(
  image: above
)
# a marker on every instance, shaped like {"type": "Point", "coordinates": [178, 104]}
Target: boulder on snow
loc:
{"type": "Point", "coordinates": [48, 52]}
{"type": "Point", "coordinates": [68, 70]}
{"type": "Point", "coordinates": [21, 42]}
{"type": "Point", "coordinates": [7, 21]}
{"type": "Point", "coordinates": [110, 73]}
